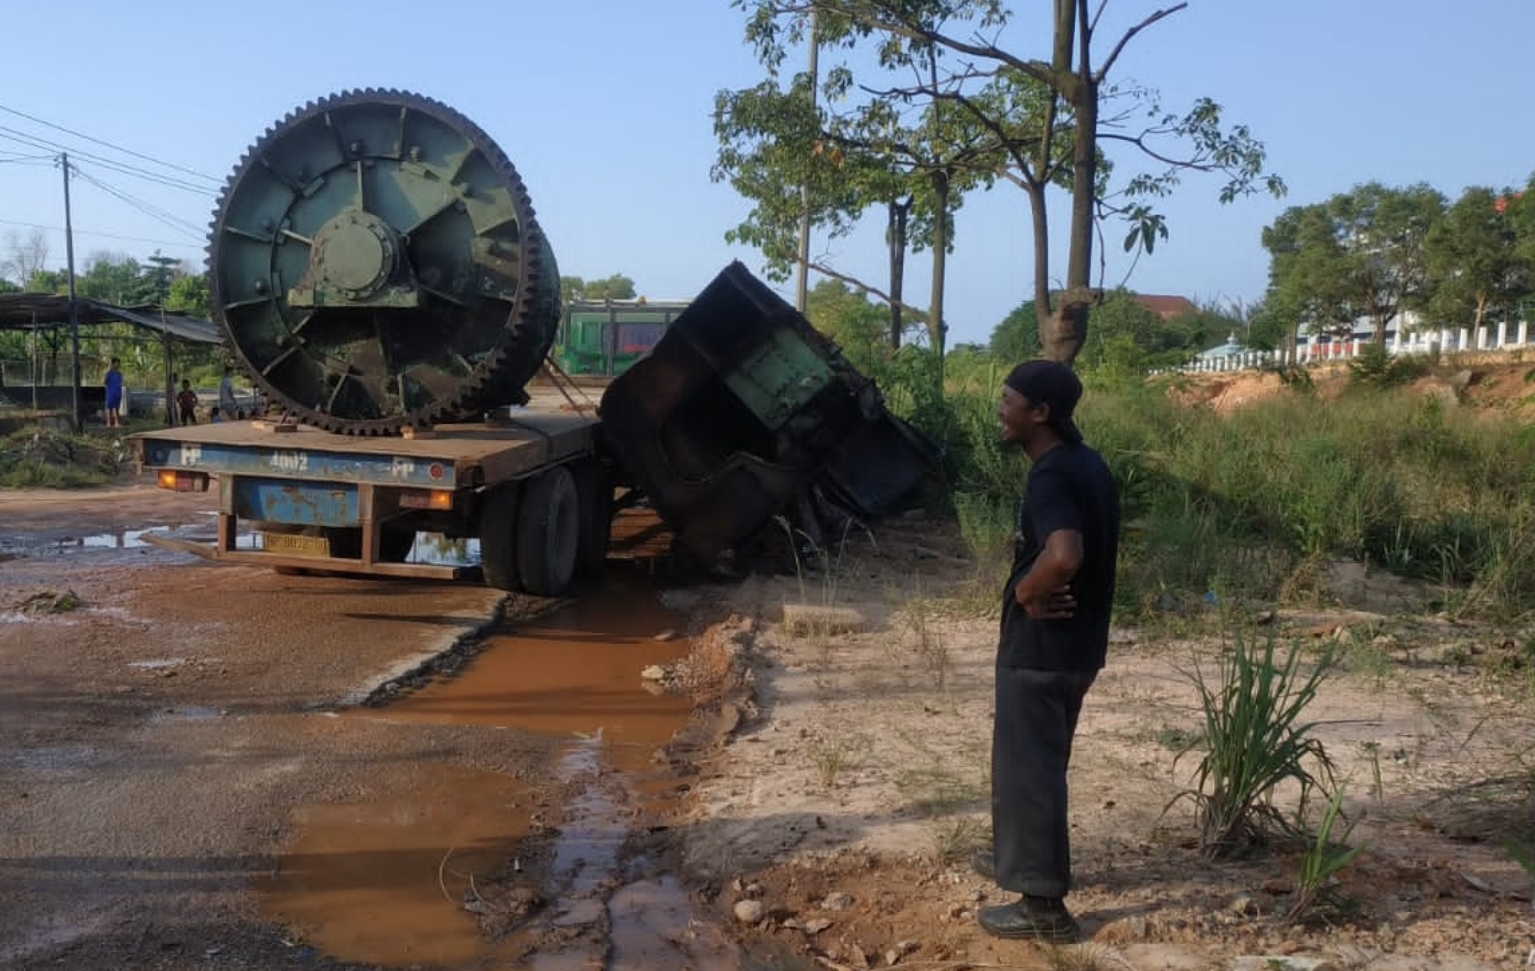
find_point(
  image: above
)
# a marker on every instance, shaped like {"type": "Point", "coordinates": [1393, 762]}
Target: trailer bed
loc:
{"type": "Point", "coordinates": [268, 472]}
{"type": "Point", "coordinates": [450, 457]}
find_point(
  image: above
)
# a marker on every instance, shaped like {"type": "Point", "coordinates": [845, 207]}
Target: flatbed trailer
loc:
{"type": "Point", "coordinates": [531, 486]}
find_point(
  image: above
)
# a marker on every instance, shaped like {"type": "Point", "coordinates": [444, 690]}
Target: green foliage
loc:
{"type": "Point", "coordinates": [1379, 368]}
{"type": "Point", "coordinates": [860, 328]}
{"type": "Point", "coordinates": [41, 458]}
{"type": "Point", "coordinates": [615, 287]}
{"type": "Point", "coordinates": [1474, 263]}
{"type": "Point", "coordinates": [1016, 338]}
{"type": "Point", "coordinates": [1126, 337]}
{"type": "Point", "coordinates": [1255, 743]}
{"type": "Point", "coordinates": [945, 111]}
{"type": "Point", "coordinates": [1324, 858]}
{"type": "Point", "coordinates": [1359, 254]}
{"type": "Point", "coordinates": [1240, 504]}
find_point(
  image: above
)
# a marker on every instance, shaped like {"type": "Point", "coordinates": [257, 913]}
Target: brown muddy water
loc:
{"type": "Point", "coordinates": [371, 883]}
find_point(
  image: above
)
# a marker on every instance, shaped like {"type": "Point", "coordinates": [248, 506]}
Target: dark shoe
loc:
{"type": "Point", "coordinates": [1031, 917]}
{"type": "Point", "coordinates": [985, 863]}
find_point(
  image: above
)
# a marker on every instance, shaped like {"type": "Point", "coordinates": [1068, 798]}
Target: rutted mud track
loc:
{"type": "Point", "coordinates": [181, 785]}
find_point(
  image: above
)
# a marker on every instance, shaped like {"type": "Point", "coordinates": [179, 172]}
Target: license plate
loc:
{"type": "Point", "coordinates": [294, 544]}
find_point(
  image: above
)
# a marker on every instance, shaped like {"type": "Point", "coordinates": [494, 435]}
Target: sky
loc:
{"type": "Point", "coordinates": [605, 108]}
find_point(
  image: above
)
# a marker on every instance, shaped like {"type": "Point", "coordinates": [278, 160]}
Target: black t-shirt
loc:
{"type": "Point", "coordinates": [1069, 487]}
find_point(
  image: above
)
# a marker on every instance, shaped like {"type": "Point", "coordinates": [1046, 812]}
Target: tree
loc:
{"type": "Point", "coordinates": [1359, 254]}
{"type": "Point", "coordinates": [24, 257]}
{"type": "Point", "coordinates": [777, 152]}
{"type": "Point", "coordinates": [1016, 337]}
{"type": "Point", "coordinates": [615, 287]}
{"type": "Point", "coordinates": [1062, 138]}
{"type": "Point", "coordinates": [189, 295]}
{"type": "Point", "coordinates": [115, 278]}
{"type": "Point", "coordinates": [847, 317]}
{"type": "Point", "coordinates": [1307, 281]}
{"type": "Point", "coordinates": [1383, 232]}
{"type": "Point", "coordinates": [1473, 265]}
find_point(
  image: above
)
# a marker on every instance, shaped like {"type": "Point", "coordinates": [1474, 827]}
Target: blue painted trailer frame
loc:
{"type": "Point", "coordinates": [318, 481]}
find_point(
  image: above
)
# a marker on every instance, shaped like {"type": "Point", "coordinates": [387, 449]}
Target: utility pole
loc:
{"type": "Point", "coordinates": [801, 290]}
{"type": "Point", "coordinates": [74, 312]}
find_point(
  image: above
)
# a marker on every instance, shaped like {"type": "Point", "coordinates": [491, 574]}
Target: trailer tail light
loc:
{"type": "Point", "coordinates": [441, 499]}
{"type": "Point", "coordinates": [183, 481]}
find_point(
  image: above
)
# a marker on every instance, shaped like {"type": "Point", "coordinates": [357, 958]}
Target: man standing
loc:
{"type": "Point", "coordinates": [227, 392]}
{"type": "Point", "coordinates": [114, 393]}
{"type": "Point", "coordinates": [1054, 639]}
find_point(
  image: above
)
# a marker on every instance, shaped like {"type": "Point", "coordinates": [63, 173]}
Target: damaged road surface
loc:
{"type": "Point", "coordinates": [188, 777]}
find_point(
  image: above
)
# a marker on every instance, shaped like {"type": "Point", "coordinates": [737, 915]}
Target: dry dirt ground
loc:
{"type": "Point", "coordinates": [848, 803]}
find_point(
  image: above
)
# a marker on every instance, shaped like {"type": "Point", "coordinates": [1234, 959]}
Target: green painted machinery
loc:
{"type": "Point", "coordinates": [376, 264]}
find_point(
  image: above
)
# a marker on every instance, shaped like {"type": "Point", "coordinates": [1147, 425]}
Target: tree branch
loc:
{"type": "Point", "coordinates": [917, 313]}
{"type": "Point", "coordinates": [1103, 71]}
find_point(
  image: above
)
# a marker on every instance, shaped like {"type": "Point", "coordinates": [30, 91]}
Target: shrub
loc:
{"type": "Point", "coordinates": [1255, 742]}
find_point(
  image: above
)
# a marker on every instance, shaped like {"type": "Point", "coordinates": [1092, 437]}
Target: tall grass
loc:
{"type": "Point", "coordinates": [1236, 503]}
{"type": "Point", "coordinates": [1255, 744]}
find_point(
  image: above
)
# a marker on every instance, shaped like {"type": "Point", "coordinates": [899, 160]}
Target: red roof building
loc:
{"type": "Point", "coordinates": [1164, 306]}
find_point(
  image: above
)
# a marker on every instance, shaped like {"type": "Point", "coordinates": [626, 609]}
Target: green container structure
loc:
{"type": "Point", "coordinates": [603, 338]}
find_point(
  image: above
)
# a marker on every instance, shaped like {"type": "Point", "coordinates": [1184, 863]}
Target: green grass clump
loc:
{"type": "Point", "coordinates": [48, 459]}
{"type": "Point", "coordinates": [1239, 504]}
{"type": "Point", "coordinates": [1256, 742]}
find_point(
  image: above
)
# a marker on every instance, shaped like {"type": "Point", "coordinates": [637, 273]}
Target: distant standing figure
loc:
{"type": "Point", "coordinates": [187, 402]}
{"type": "Point", "coordinates": [114, 387]}
{"type": "Point", "coordinates": [213, 415]}
{"type": "Point", "coordinates": [227, 391]}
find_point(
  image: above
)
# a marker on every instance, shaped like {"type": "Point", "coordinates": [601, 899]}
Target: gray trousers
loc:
{"type": "Point", "coordinates": [1036, 719]}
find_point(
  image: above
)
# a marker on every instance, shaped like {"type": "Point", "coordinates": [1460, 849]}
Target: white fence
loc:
{"type": "Point", "coordinates": [1446, 340]}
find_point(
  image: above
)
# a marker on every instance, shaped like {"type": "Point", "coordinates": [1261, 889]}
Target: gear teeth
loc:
{"type": "Point", "coordinates": [531, 320]}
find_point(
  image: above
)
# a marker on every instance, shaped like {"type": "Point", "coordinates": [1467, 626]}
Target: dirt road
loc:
{"type": "Point", "coordinates": [183, 783]}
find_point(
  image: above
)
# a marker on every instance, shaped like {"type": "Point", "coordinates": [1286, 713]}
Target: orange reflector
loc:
{"type": "Point", "coordinates": [182, 481]}
{"type": "Point", "coordinates": [436, 499]}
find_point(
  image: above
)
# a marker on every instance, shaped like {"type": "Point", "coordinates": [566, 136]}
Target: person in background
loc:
{"type": "Point", "coordinates": [186, 402]}
{"type": "Point", "coordinates": [1054, 639]}
{"type": "Point", "coordinates": [114, 389]}
{"type": "Point", "coordinates": [213, 415]}
{"type": "Point", "coordinates": [227, 404]}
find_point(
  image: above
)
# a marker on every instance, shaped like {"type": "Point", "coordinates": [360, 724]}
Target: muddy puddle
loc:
{"type": "Point", "coordinates": [459, 868]}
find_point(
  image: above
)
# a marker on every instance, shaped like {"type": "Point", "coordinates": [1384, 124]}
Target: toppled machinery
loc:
{"type": "Point", "coordinates": [377, 268]}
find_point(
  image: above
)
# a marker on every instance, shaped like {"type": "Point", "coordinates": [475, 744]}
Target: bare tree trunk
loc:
{"type": "Point", "coordinates": [937, 330]}
{"type": "Point", "coordinates": [896, 235]}
{"type": "Point", "coordinates": [1068, 331]}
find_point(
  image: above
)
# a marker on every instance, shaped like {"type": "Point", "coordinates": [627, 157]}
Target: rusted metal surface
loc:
{"type": "Point", "coordinates": [742, 409]}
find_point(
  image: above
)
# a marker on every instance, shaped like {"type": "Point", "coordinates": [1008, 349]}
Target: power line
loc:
{"type": "Point", "coordinates": [107, 144]}
{"type": "Point", "coordinates": [154, 212]}
{"type": "Point", "coordinates": [33, 141]}
{"type": "Point", "coordinates": [89, 232]}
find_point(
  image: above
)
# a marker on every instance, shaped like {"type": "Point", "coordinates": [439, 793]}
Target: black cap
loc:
{"type": "Point", "coordinates": [1050, 383]}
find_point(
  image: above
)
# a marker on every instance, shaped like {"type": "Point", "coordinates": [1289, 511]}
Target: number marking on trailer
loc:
{"type": "Point", "coordinates": [290, 461]}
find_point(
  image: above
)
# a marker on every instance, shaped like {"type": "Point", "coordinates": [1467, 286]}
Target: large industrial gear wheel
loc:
{"type": "Point", "coordinates": [375, 263]}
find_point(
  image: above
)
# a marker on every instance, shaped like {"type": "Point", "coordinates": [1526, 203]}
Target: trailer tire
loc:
{"type": "Point", "coordinates": [596, 495]}
{"type": "Point", "coordinates": [498, 537]}
{"type": "Point", "coordinates": [548, 533]}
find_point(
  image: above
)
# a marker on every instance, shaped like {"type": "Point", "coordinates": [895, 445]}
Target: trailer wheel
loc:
{"type": "Point", "coordinates": [548, 533]}
{"type": "Point", "coordinates": [596, 494]}
{"type": "Point", "coordinates": [498, 537]}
